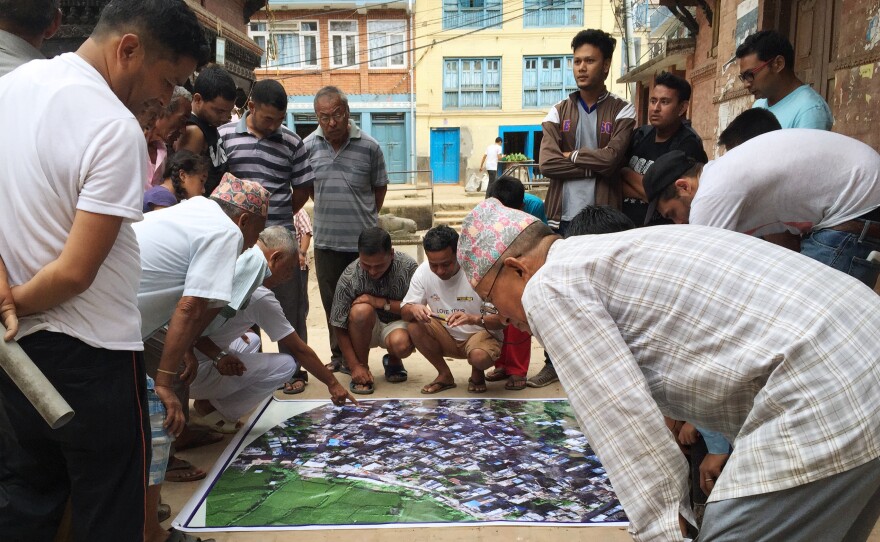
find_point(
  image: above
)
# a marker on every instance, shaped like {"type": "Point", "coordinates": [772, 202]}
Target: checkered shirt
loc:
{"type": "Point", "coordinates": [774, 350]}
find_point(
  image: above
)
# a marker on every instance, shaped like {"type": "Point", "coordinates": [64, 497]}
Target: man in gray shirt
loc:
{"type": "Point", "coordinates": [24, 24]}
{"type": "Point", "coordinates": [349, 189]}
{"type": "Point", "coordinates": [366, 309]}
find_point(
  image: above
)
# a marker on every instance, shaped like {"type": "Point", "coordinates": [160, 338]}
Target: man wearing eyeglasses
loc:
{"type": "Point", "coordinates": [707, 325]}
{"type": "Point", "coordinates": [349, 189]}
{"type": "Point", "coordinates": [766, 65]}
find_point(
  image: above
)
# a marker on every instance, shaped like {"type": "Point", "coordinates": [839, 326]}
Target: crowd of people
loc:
{"type": "Point", "coordinates": [144, 255]}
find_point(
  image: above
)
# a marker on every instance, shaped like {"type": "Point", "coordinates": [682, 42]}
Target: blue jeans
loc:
{"type": "Point", "coordinates": [843, 251]}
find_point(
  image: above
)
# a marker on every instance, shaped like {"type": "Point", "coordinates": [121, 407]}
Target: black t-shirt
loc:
{"type": "Point", "coordinates": [214, 150]}
{"type": "Point", "coordinates": [642, 153]}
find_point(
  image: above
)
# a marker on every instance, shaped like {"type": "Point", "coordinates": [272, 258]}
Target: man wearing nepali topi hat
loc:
{"type": "Point", "coordinates": [727, 331]}
{"type": "Point", "coordinates": [188, 255]}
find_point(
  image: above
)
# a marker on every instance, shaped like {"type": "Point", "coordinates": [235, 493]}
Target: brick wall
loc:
{"type": "Point", "coordinates": [356, 80]}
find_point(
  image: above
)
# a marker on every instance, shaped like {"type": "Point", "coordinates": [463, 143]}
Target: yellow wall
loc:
{"type": "Point", "coordinates": [511, 42]}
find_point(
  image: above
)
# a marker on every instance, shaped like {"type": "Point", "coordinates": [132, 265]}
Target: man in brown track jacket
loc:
{"type": "Point", "coordinates": [586, 136]}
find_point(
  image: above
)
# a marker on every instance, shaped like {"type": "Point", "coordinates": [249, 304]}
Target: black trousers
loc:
{"type": "Point", "coordinates": [99, 459]}
{"type": "Point", "coordinates": [329, 265]}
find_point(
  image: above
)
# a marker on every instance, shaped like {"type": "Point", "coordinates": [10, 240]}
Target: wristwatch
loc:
{"type": "Point", "coordinates": [220, 356]}
{"type": "Point", "coordinates": [387, 305]}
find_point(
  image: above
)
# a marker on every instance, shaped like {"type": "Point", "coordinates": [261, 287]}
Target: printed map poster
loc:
{"type": "Point", "coordinates": [408, 462]}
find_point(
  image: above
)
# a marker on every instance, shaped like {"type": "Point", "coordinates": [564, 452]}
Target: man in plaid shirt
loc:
{"type": "Point", "coordinates": [776, 351]}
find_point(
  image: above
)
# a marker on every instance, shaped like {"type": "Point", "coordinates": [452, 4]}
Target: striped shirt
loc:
{"type": "Point", "coordinates": [776, 351]}
{"type": "Point", "coordinates": [354, 282]}
{"type": "Point", "coordinates": [279, 162]}
{"type": "Point", "coordinates": [345, 201]}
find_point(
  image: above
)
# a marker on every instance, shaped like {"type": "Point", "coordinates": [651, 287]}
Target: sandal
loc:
{"type": "Point", "coordinates": [195, 438]}
{"type": "Point", "coordinates": [515, 383]}
{"type": "Point", "coordinates": [181, 470]}
{"type": "Point", "coordinates": [338, 366]}
{"type": "Point", "coordinates": [215, 422]}
{"type": "Point", "coordinates": [290, 386]}
{"type": "Point", "coordinates": [164, 512]}
{"type": "Point", "coordinates": [497, 374]}
{"type": "Point", "coordinates": [366, 388]}
{"type": "Point", "coordinates": [179, 536]}
{"type": "Point", "coordinates": [476, 387]}
{"type": "Point", "coordinates": [394, 373]}
{"type": "Point", "coordinates": [437, 386]}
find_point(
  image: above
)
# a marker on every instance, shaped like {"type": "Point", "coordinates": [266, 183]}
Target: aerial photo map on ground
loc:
{"type": "Point", "coordinates": [308, 464]}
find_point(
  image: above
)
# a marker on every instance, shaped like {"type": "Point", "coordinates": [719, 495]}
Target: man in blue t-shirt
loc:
{"type": "Point", "coordinates": [766, 66]}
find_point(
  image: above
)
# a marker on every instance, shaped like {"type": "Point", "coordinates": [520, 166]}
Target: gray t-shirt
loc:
{"type": "Point", "coordinates": [578, 193]}
{"type": "Point", "coordinates": [345, 184]}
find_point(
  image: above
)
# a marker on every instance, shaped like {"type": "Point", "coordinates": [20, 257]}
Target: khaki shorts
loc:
{"type": "Point", "coordinates": [381, 332]}
{"type": "Point", "coordinates": [481, 340]}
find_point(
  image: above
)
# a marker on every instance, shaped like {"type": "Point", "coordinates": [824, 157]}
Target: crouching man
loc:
{"type": "Point", "coordinates": [443, 312]}
{"type": "Point", "coordinates": [366, 309]}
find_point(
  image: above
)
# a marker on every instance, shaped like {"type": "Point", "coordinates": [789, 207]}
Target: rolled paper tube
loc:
{"type": "Point", "coordinates": [33, 383]}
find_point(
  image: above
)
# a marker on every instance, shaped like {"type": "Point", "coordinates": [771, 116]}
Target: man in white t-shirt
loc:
{"type": "Point", "coordinates": [233, 375]}
{"type": "Point", "coordinates": [821, 185]}
{"type": "Point", "coordinates": [72, 174]}
{"type": "Point", "coordinates": [443, 312]}
{"type": "Point", "coordinates": [490, 160]}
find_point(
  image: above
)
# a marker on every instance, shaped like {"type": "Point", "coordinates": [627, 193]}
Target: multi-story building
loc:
{"type": "Point", "coordinates": [493, 68]}
{"type": "Point", "coordinates": [361, 47]}
{"type": "Point", "coordinates": [837, 51]}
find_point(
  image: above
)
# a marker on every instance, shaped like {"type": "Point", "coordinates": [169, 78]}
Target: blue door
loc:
{"type": "Point", "coordinates": [445, 144]}
{"type": "Point", "coordinates": [390, 131]}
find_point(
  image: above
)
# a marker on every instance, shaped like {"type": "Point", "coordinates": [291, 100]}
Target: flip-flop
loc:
{"type": "Point", "coordinates": [368, 391]}
{"type": "Point", "coordinates": [394, 373]}
{"type": "Point", "coordinates": [177, 472]}
{"type": "Point", "coordinates": [515, 383]}
{"type": "Point", "coordinates": [291, 382]}
{"type": "Point", "coordinates": [443, 386]}
{"type": "Point", "coordinates": [215, 422]}
{"type": "Point", "coordinates": [476, 387]}
{"type": "Point", "coordinates": [496, 375]}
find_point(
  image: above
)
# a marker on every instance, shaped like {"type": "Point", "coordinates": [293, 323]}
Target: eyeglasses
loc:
{"type": "Point", "coordinates": [487, 308]}
{"type": "Point", "coordinates": [749, 75]}
{"type": "Point", "coordinates": [336, 117]}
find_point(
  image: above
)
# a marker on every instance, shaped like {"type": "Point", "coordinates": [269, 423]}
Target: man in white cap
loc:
{"type": "Point", "coordinates": [733, 333]}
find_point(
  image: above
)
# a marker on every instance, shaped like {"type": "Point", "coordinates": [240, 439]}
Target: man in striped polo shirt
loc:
{"type": "Point", "coordinates": [349, 190]}
{"type": "Point", "coordinates": [261, 149]}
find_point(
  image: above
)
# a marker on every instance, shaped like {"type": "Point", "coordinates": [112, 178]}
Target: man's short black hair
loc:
{"type": "Point", "coordinates": [679, 84]}
{"type": "Point", "coordinates": [214, 81]}
{"type": "Point", "coordinates": [374, 240]}
{"type": "Point", "coordinates": [598, 219]}
{"type": "Point", "coordinates": [29, 17]}
{"type": "Point", "coordinates": [270, 92]}
{"type": "Point", "coordinates": [440, 238]}
{"type": "Point", "coordinates": [169, 23]}
{"type": "Point", "coordinates": [767, 44]}
{"type": "Point", "coordinates": [597, 38]}
{"type": "Point", "coordinates": [748, 124]}
{"type": "Point", "coordinates": [508, 190]}
{"type": "Point", "coordinates": [498, 140]}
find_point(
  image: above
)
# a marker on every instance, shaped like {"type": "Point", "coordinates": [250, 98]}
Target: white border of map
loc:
{"type": "Point", "coordinates": [191, 517]}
